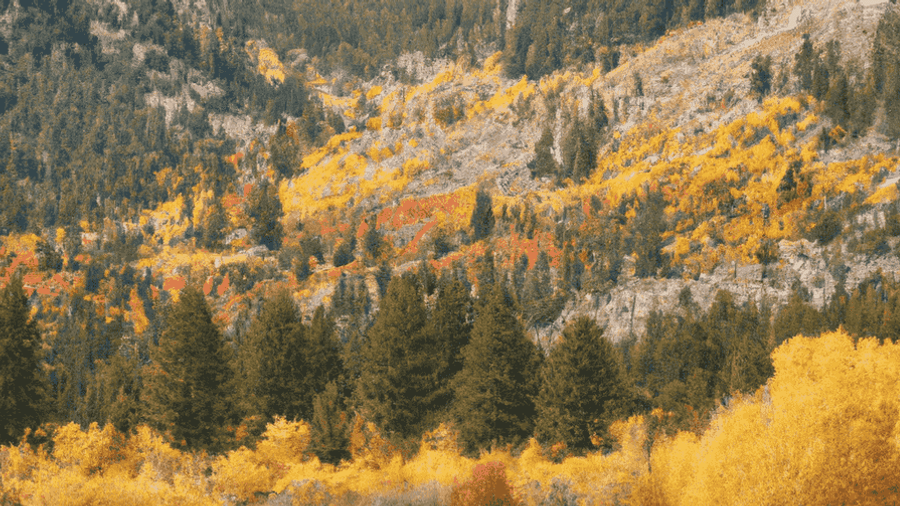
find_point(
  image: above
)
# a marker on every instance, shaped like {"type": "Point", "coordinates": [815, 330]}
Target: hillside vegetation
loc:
{"type": "Point", "coordinates": [421, 252]}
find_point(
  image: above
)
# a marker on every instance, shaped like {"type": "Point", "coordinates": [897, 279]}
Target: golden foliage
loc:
{"type": "Point", "coordinates": [814, 435]}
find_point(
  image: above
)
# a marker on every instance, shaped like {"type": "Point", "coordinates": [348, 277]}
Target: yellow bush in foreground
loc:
{"type": "Point", "coordinates": [825, 431]}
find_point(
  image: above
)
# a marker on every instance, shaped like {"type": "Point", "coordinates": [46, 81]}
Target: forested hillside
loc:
{"type": "Point", "coordinates": [444, 251]}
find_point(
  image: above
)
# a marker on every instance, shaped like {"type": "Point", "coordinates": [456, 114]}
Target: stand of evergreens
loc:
{"type": "Point", "coordinates": [188, 385]}
{"type": "Point", "coordinates": [23, 387]}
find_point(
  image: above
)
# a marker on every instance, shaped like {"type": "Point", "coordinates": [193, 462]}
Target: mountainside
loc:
{"type": "Point", "coordinates": [358, 251]}
{"type": "Point", "coordinates": [412, 144]}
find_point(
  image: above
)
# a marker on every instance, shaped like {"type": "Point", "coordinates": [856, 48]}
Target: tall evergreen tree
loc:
{"type": "Point", "coordinates": [450, 326]}
{"type": "Point", "coordinates": [188, 382]}
{"type": "Point", "coordinates": [397, 386]}
{"type": "Point", "coordinates": [273, 357]}
{"type": "Point", "coordinates": [118, 385]}
{"type": "Point", "coordinates": [82, 341]}
{"type": "Point", "coordinates": [496, 388]}
{"type": "Point", "coordinates": [264, 208]}
{"type": "Point", "coordinates": [583, 387]}
{"type": "Point", "coordinates": [647, 228]}
{"type": "Point", "coordinates": [737, 344]}
{"type": "Point", "coordinates": [330, 426]}
{"type": "Point", "coordinates": [761, 76]}
{"type": "Point", "coordinates": [804, 64]}
{"type": "Point", "coordinates": [23, 388]}
{"type": "Point", "coordinates": [482, 216]}
{"type": "Point", "coordinates": [543, 164]}
{"type": "Point", "coordinates": [321, 351]}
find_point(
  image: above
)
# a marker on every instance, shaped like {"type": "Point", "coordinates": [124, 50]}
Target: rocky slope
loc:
{"type": "Point", "coordinates": [695, 86]}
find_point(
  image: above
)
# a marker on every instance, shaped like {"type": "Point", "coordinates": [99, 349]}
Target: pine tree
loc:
{"type": "Point", "coordinates": [583, 387]}
{"type": "Point", "coordinates": [495, 389]}
{"type": "Point", "coordinates": [821, 80]}
{"type": "Point", "coordinates": [579, 151]}
{"type": "Point", "coordinates": [82, 341]}
{"type": "Point", "coordinates": [264, 208]}
{"type": "Point", "coordinates": [23, 387]}
{"type": "Point", "coordinates": [449, 324]}
{"type": "Point", "coordinates": [321, 353]}
{"type": "Point", "coordinates": [284, 153]}
{"type": "Point", "coordinates": [427, 278]}
{"type": "Point", "coordinates": [543, 164]}
{"type": "Point", "coordinates": [273, 357]}
{"type": "Point", "coordinates": [383, 278]}
{"type": "Point", "coordinates": [188, 382]}
{"type": "Point", "coordinates": [761, 76]}
{"type": "Point", "coordinates": [795, 318]}
{"type": "Point", "coordinates": [838, 99]}
{"type": "Point", "coordinates": [118, 385]}
{"type": "Point", "coordinates": [397, 385]}
{"type": "Point", "coordinates": [486, 271]}
{"type": "Point", "coordinates": [372, 241]}
{"type": "Point", "coordinates": [330, 426]}
{"type": "Point", "coordinates": [804, 64]}
{"type": "Point", "coordinates": [737, 347]}
{"type": "Point", "coordinates": [482, 222]}
{"type": "Point", "coordinates": [647, 229]}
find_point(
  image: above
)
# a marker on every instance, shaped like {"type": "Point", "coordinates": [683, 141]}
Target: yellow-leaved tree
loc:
{"type": "Point", "coordinates": [825, 430]}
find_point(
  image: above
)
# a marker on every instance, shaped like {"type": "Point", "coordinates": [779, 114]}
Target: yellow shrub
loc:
{"type": "Point", "coordinates": [90, 452]}
{"type": "Point", "coordinates": [241, 473]}
{"type": "Point", "coordinates": [284, 441]}
{"type": "Point", "coordinates": [373, 124]}
{"type": "Point", "coordinates": [826, 430]}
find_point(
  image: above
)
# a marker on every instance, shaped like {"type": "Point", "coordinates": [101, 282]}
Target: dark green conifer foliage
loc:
{"type": "Point", "coordinates": [767, 253]}
{"type": "Point", "coordinates": [330, 426]}
{"type": "Point", "coordinates": [427, 278]}
{"type": "Point", "coordinates": [496, 388]}
{"type": "Point", "coordinates": [804, 64]}
{"type": "Point", "coordinates": [598, 114]}
{"type": "Point", "coordinates": [23, 387]}
{"type": "Point", "coordinates": [118, 385]}
{"type": "Point", "coordinates": [273, 356]}
{"type": "Point", "coordinates": [761, 76]}
{"type": "Point", "coordinates": [838, 99]}
{"type": "Point", "coordinates": [638, 85]}
{"type": "Point", "coordinates": [570, 271]}
{"type": "Point", "coordinates": [543, 164]}
{"type": "Point", "coordinates": [583, 388]}
{"type": "Point", "coordinates": [383, 277]}
{"type": "Point", "coordinates": [648, 226]}
{"type": "Point", "coordinates": [188, 382]}
{"type": "Point", "coordinates": [797, 317]}
{"type": "Point", "coordinates": [321, 354]}
{"type": "Point", "coordinates": [821, 80]}
{"type": "Point", "coordinates": [738, 339]}
{"type": "Point", "coordinates": [301, 267]}
{"type": "Point", "coordinates": [285, 154]}
{"type": "Point", "coordinates": [397, 387]}
{"type": "Point", "coordinates": [265, 211]}
{"type": "Point", "coordinates": [372, 242]}
{"type": "Point", "coordinates": [862, 107]}
{"type": "Point", "coordinates": [538, 305]}
{"type": "Point", "coordinates": [482, 216]}
{"type": "Point", "coordinates": [486, 271]}
{"type": "Point", "coordinates": [81, 342]}
{"type": "Point", "coordinates": [579, 150]}
{"type": "Point", "coordinates": [451, 327]}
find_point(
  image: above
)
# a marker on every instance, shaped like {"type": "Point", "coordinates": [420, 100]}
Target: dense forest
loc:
{"type": "Point", "coordinates": [92, 163]}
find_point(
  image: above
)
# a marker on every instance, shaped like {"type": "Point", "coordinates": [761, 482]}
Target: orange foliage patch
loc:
{"type": "Point", "coordinates": [174, 283]}
{"type": "Point", "coordinates": [224, 286]}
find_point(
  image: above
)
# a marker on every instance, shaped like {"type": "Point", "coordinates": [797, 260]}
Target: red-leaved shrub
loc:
{"type": "Point", "coordinates": [488, 487]}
